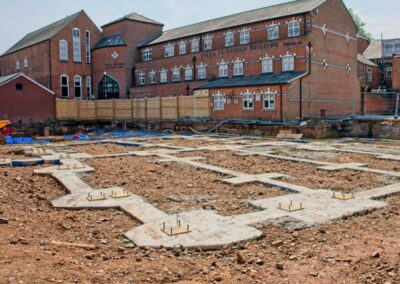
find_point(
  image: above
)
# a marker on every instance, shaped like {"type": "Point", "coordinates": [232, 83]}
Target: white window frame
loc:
{"type": "Point", "coordinates": [152, 77]}
{"type": "Point", "coordinates": [369, 75]}
{"type": "Point", "coordinates": [245, 36]}
{"type": "Point", "coordinates": [176, 75]}
{"type": "Point", "coordinates": [17, 66]}
{"type": "Point", "coordinates": [147, 54]}
{"type": "Point", "coordinates": [195, 45]}
{"type": "Point", "coordinates": [238, 68]}
{"type": "Point", "coordinates": [219, 102]}
{"type": "Point", "coordinates": [142, 79]}
{"type": "Point", "coordinates": [388, 72]}
{"type": "Point", "coordinates": [229, 39]}
{"type": "Point", "coordinates": [88, 82]}
{"type": "Point", "coordinates": [208, 42]}
{"type": "Point", "coordinates": [294, 28]}
{"type": "Point", "coordinates": [182, 48]}
{"type": "Point", "coordinates": [248, 101]}
{"type": "Point", "coordinates": [223, 69]}
{"type": "Point", "coordinates": [202, 72]}
{"type": "Point", "coordinates": [169, 50]}
{"type": "Point", "coordinates": [62, 86]}
{"type": "Point", "coordinates": [80, 86]}
{"type": "Point", "coordinates": [76, 40]}
{"type": "Point", "coordinates": [26, 62]}
{"type": "Point", "coordinates": [163, 76]}
{"type": "Point", "coordinates": [63, 46]}
{"type": "Point", "coordinates": [267, 65]}
{"type": "Point", "coordinates": [287, 63]}
{"type": "Point", "coordinates": [88, 47]}
{"type": "Point", "coordinates": [269, 101]}
{"type": "Point", "coordinates": [273, 32]}
{"type": "Point", "coordinates": [188, 73]}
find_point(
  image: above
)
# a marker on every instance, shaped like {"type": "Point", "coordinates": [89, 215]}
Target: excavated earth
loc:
{"type": "Point", "coordinates": [363, 249]}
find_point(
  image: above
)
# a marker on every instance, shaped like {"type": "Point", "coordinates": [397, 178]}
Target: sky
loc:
{"type": "Point", "coordinates": [19, 17]}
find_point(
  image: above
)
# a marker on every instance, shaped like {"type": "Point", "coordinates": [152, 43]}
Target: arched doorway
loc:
{"type": "Point", "coordinates": [108, 88]}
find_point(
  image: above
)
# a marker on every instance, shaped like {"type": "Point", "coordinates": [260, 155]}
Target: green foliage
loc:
{"type": "Point", "coordinates": [361, 25]}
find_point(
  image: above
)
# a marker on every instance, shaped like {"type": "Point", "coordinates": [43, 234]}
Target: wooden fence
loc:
{"type": "Point", "coordinates": [168, 108]}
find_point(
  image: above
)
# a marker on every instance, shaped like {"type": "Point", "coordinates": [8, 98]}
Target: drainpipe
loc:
{"type": "Point", "coordinates": [281, 104]}
{"type": "Point", "coordinates": [301, 80]}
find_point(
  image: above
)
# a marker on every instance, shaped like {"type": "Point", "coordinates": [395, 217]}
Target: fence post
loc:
{"type": "Point", "coordinates": [113, 105]}
{"type": "Point", "coordinates": [132, 113]}
{"type": "Point", "coordinates": [396, 113]}
{"type": "Point", "coordinates": [177, 107]}
{"type": "Point", "coordinates": [145, 108]}
{"type": "Point", "coordinates": [77, 110]}
{"type": "Point", "coordinates": [161, 110]}
{"type": "Point", "coordinates": [95, 110]}
{"type": "Point", "coordinates": [362, 103]}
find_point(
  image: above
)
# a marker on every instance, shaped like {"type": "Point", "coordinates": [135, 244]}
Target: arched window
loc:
{"type": "Point", "coordinates": [163, 76]}
{"type": "Point", "coordinates": [188, 73]}
{"type": "Point", "coordinates": [78, 86]}
{"type": "Point", "coordinates": [64, 86]}
{"type": "Point", "coordinates": [202, 71]}
{"type": "Point", "coordinates": [108, 88]}
{"type": "Point", "coordinates": [76, 39]}
{"type": "Point", "coordinates": [288, 62]}
{"type": "Point", "coordinates": [88, 46]}
{"type": "Point", "coordinates": [176, 74]}
{"type": "Point", "coordinates": [208, 40]}
{"type": "Point", "coordinates": [63, 50]}
{"type": "Point", "coordinates": [88, 87]}
{"type": "Point", "coordinates": [17, 65]}
{"type": "Point", "coordinates": [267, 65]}
{"type": "Point", "coordinates": [238, 67]}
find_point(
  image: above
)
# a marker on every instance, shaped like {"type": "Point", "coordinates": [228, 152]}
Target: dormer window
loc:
{"type": "Point", "coordinates": [294, 28]}
{"type": "Point", "coordinates": [208, 43]}
{"type": "Point", "coordinates": [223, 69]}
{"type": "Point", "coordinates": [244, 36]}
{"type": "Point", "coordinates": [147, 54]}
{"type": "Point", "coordinates": [169, 50]}
{"type": "Point", "coordinates": [229, 39]}
{"type": "Point", "coordinates": [182, 48]}
{"type": "Point", "coordinates": [288, 62]}
{"type": "Point", "coordinates": [273, 32]}
{"type": "Point", "coordinates": [195, 45]}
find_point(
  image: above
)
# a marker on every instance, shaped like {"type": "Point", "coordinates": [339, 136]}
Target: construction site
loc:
{"type": "Point", "coordinates": [146, 207]}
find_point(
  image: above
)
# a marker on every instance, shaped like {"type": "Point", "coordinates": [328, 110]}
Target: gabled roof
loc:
{"type": "Point", "coordinates": [42, 34]}
{"type": "Point", "coordinates": [374, 50]}
{"type": "Point", "coordinates": [135, 17]}
{"type": "Point", "coordinates": [268, 13]}
{"type": "Point", "coordinates": [258, 80]}
{"type": "Point", "coordinates": [361, 58]}
{"type": "Point", "coordinates": [113, 40]}
{"type": "Point", "coordinates": [6, 79]}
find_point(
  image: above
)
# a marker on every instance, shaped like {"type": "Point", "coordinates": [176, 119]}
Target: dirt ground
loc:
{"type": "Point", "coordinates": [362, 249]}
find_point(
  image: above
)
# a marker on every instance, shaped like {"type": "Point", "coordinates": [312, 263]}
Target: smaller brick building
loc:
{"type": "Point", "coordinates": [23, 100]}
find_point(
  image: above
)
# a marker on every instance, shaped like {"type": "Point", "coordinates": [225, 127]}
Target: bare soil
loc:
{"type": "Point", "coordinates": [103, 149]}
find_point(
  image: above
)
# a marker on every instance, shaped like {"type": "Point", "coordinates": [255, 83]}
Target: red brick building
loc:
{"type": "Point", "coordinates": [20, 95]}
{"type": "Point", "coordinates": [280, 62]}
{"type": "Point", "coordinates": [57, 56]}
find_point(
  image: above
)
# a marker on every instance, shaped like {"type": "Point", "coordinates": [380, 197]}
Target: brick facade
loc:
{"type": "Point", "coordinates": [18, 105]}
{"type": "Point", "coordinates": [396, 73]}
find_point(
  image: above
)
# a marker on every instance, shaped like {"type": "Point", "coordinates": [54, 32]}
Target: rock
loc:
{"type": "Point", "coordinates": [376, 254]}
{"type": "Point", "coordinates": [240, 259]}
{"type": "Point", "coordinates": [277, 243]}
{"type": "Point", "coordinates": [14, 240]}
{"type": "Point", "coordinates": [314, 273]}
{"type": "Point", "coordinates": [129, 245]}
{"type": "Point", "coordinates": [260, 261]}
{"type": "Point", "coordinates": [218, 278]}
{"type": "Point", "coordinates": [3, 220]}
{"type": "Point", "coordinates": [279, 266]}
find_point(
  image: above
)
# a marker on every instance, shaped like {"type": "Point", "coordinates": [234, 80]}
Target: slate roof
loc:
{"type": "Point", "coordinates": [258, 80]}
{"type": "Point", "coordinates": [114, 40]}
{"type": "Point", "coordinates": [134, 17]}
{"type": "Point", "coordinates": [374, 50]}
{"type": "Point", "coordinates": [272, 12]}
{"type": "Point", "coordinates": [361, 58]}
{"type": "Point", "coordinates": [42, 34]}
{"type": "Point", "coordinates": [7, 78]}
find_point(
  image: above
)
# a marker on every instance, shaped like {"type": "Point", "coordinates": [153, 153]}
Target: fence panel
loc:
{"type": "Point", "coordinates": [87, 110]}
{"type": "Point", "coordinates": [66, 109]}
{"type": "Point", "coordinates": [123, 109]}
{"type": "Point", "coordinates": [105, 110]}
{"type": "Point", "coordinates": [169, 108]}
{"type": "Point", "coordinates": [153, 108]}
{"type": "Point", "coordinates": [140, 108]}
{"type": "Point", "coordinates": [201, 107]}
{"type": "Point", "coordinates": [186, 106]}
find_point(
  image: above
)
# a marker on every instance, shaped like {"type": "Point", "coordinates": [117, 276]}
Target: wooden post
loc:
{"type": "Point", "coordinates": [145, 108]}
{"type": "Point", "coordinates": [77, 110]}
{"type": "Point", "coordinates": [113, 105]}
{"type": "Point", "coordinates": [95, 110]}
{"type": "Point", "coordinates": [177, 107]}
{"type": "Point", "coordinates": [161, 114]}
{"type": "Point", "coordinates": [132, 112]}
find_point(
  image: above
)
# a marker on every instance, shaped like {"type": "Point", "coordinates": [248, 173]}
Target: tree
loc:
{"type": "Point", "coordinates": [361, 25]}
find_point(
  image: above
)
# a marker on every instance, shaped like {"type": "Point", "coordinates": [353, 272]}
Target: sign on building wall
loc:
{"type": "Point", "coordinates": [201, 93]}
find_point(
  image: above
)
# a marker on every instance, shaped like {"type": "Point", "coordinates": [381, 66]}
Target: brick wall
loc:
{"type": "Point", "coordinates": [396, 73]}
{"type": "Point", "coordinates": [32, 104]}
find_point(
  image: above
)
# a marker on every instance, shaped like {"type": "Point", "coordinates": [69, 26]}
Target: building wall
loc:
{"type": "Point", "coordinates": [396, 73]}
{"type": "Point", "coordinates": [122, 69]}
{"type": "Point", "coordinates": [32, 104]}
{"type": "Point", "coordinates": [363, 76]}
{"type": "Point", "coordinates": [38, 63]}
{"type": "Point", "coordinates": [71, 68]}
{"type": "Point", "coordinates": [363, 44]}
